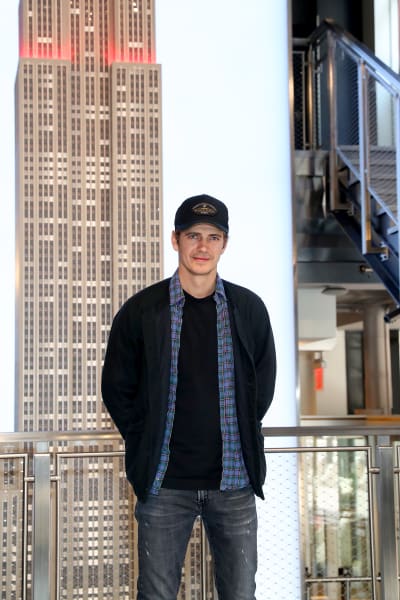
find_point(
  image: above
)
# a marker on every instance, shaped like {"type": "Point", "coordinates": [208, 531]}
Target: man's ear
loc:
{"type": "Point", "coordinates": [175, 240]}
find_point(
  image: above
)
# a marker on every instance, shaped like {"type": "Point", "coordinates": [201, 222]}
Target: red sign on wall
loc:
{"type": "Point", "coordinates": [318, 378]}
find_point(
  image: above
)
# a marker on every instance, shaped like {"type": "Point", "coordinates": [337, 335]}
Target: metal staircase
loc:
{"type": "Point", "coordinates": [347, 104]}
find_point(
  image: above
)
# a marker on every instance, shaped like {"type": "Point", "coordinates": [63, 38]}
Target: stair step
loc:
{"type": "Point", "coordinates": [379, 155]}
{"type": "Point", "coordinates": [382, 184]}
{"type": "Point", "coordinates": [374, 149]}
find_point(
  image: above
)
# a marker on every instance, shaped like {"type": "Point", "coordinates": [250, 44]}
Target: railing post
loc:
{"type": "Point", "coordinates": [387, 521]}
{"type": "Point", "coordinates": [332, 91]}
{"type": "Point", "coordinates": [41, 523]}
{"type": "Point", "coordinates": [397, 146]}
{"type": "Point", "coordinates": [310, 108]}
{"type": "Point", "coordinates": [364, 167]}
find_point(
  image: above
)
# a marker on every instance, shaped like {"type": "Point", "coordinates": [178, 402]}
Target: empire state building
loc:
{"type": "Point", "coordinates": [89, 196]}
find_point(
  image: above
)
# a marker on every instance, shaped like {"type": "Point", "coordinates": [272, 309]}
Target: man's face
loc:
{"type": "Point", "coordinates": [199, 248]}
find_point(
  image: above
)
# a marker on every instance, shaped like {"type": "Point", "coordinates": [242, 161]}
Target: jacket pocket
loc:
{"type": "Point", "coordinates": [132, 449]}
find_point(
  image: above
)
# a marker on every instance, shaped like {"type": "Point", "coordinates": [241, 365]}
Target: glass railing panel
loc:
{"type": "Point", "coordinates": [96, 537]}
{"type": "Point", "coordinates": [13, 523]}
{"type": "Point", "coordinates": [278, 524]}
{"type": "Point", "coordinates": [335, 518]}
{"type": "Point", "coordinates": [396, 445]}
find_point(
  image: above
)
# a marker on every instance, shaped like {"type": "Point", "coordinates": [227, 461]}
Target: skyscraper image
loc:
{"type": "Point", "coordinates": [89, 196]}
{"type": "Point", "coordinates": [88, 235]}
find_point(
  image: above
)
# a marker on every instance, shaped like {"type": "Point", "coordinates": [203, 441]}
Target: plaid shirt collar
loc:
{"type": "Point", "coordinates": [177, 297]}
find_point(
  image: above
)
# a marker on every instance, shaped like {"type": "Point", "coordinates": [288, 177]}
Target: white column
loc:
{"type": "Point", "coordinates": [279, 574]}
{"type": "Point", "coordinates": [308, 396]}
{"type": "Point", "coordinates": [376, 361]}
{"type": "Point", "coordinates": [226, 128]}
{"type": "Point", "coordinates": [386, 40]}
{"type": "Point", "coordinates": [386, 34]}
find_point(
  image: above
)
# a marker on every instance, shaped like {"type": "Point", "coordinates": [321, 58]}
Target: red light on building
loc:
{"type": "Point", "coordinates": [47, 51]}
{"type": "Point", "coordinates": [131, 56]}
{"type": "Point", "coordinates": [44, 51]}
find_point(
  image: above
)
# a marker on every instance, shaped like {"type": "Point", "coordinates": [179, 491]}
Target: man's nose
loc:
{"type": "Point", "coordinates": [202, 244]}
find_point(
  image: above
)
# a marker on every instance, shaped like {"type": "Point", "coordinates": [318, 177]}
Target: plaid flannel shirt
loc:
{"type": "Point", "coordinates": [234, 474]}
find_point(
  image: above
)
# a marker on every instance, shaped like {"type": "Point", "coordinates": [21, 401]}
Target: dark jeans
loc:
{"type": "Point", "coordinates": [165, 524]}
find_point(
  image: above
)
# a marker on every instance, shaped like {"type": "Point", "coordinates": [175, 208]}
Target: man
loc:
{"type": "Point", "coordinates": [188, 375]}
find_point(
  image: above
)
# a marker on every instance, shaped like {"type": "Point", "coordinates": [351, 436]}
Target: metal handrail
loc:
{"type": "Point", "coordinates": [342, 430]}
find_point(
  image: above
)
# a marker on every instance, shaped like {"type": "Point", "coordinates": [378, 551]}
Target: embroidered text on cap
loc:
{"type": "Point", "coordinates": [204, 209]}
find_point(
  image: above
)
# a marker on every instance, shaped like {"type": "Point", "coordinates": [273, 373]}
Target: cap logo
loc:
{"type": "Point", "coordinates": [204, 209]}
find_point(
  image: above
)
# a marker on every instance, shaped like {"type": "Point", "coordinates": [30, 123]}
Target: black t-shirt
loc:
{"type": "Point", "coordinates": [195, 460]}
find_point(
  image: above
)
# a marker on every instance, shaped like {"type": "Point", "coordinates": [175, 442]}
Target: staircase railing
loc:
{"type": "Point", "coordinates": [347, 102]}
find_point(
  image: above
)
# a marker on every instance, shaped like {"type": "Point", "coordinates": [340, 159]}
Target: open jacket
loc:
{"type": "Point", "coordinates": [136, 373]}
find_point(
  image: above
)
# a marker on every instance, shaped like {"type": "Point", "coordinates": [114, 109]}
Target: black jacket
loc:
{"type": "Point", "coordinates": [136, 371]}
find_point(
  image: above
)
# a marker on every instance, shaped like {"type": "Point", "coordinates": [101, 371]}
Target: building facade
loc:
{"type": "Point", "coordinates": [89, 196]}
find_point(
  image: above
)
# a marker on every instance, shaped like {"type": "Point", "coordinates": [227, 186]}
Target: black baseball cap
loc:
{"type": "Point", "coordinates": [202, 209]}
